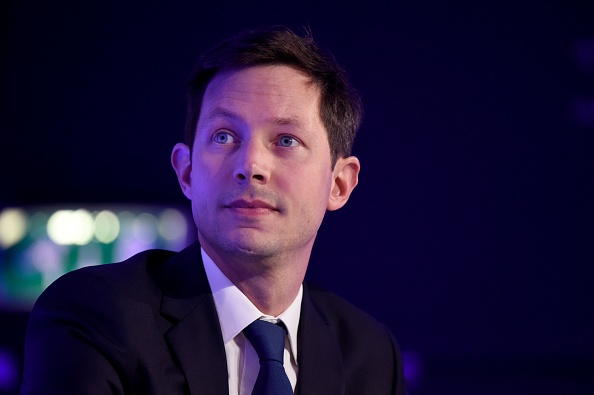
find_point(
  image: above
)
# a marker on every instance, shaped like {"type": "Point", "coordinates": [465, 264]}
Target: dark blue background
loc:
{"type": "Point", "coordinates": [471, 233]}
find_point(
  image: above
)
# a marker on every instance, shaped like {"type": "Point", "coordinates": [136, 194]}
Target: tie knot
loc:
{"type": "Point", "coordinates": [267, 338]}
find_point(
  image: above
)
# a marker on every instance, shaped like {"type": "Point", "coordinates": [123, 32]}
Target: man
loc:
{"type": "Point", "coordinates": [271, 123]}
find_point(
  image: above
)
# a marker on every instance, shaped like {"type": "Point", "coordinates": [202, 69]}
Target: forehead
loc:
{"type": "Point", "coordinates": [278, 90]}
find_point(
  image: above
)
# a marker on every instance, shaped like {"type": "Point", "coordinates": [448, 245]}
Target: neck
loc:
{"type": "Point", "coordinates": [271, 283]}
{"type": "Point", "coordinates": [271, 294]}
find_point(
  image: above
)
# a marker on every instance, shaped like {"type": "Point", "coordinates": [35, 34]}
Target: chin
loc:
{"type": "Point", "coordinates": [254, 250]}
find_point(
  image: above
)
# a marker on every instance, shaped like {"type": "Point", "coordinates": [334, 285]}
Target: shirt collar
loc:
{"type": "Point", "coordinates": [236, 311]}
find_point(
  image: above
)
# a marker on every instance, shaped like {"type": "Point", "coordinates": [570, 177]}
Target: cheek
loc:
{"type": "Point", "coordinates": [208, 167]}
{"type": "Point", "coordinates": [205, 168]}
{"type": "Point", "coordinates": [202, 186]}
{"type": "Point", "coordinates": [314, 192]}
{"type": "Point", "coordinates": [199, 202]}
{"type": "Point", "coordinates": [203, 209]}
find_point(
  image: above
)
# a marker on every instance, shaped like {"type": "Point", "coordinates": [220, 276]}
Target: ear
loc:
{"type": "Point", "coordinates": [345, 178]}
{"type": "Point", "coordinates": [182, 164]}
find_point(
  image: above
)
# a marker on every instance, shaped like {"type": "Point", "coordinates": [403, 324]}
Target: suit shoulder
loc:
{"type": "Point", "coordinates": [367, 347]}
{"type": "Point", "coordinates": [94, 324]}
{"type": "Point", "coordinates": [355, 329]}
{"type": "Point", "coordinates": [128, 276]}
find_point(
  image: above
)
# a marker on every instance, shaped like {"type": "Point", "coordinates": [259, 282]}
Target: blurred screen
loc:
{"type": "Point", "coordinates": [39, 244]}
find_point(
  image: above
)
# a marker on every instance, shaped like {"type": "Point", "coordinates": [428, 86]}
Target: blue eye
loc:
{"type": "Point", "coordinates": [288, 141]}
{"type": "Point", "coordinates": [223, 137]}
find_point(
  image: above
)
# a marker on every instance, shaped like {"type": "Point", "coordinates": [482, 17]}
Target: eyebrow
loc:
{"type": "Point", "coordinates": [220, 112]}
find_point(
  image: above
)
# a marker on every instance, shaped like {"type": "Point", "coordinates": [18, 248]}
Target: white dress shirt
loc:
{"type": "Point", "coordinates": [235, 312]}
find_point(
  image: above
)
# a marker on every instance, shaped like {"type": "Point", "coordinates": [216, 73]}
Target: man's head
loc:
{"type": "Point", "coordinates": [259, 166]}
{"type": "Point", "coordinates": [340, 106]}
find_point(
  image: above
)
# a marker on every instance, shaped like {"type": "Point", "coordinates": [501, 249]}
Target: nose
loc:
{"type": "Point", "coordinates": [252, 163]}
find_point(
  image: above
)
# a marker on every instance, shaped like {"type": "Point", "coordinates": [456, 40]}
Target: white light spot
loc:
{"type": "Point", "coordinates": [13, 226]}
{"type": "Point", "coordinates": [107, 227]}
{"type": "Point", "coordinates": [69, 227]}
{"type": "Point", "coordinates": [172, 225]}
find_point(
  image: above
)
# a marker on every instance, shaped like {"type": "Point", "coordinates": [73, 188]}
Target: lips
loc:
{"type": "Point", "coordinates": [253, 207]}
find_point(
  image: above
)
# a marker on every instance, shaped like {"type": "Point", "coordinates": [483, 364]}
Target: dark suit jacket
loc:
{"type": "Point", "coordinates": [149, 325]}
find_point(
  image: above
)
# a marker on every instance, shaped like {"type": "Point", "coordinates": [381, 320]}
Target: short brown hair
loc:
{"type": "Point", "coordinates": [340, 104]}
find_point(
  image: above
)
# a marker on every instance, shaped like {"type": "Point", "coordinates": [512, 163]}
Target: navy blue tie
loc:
{"type": "Point", "coordinates": [268, 340]}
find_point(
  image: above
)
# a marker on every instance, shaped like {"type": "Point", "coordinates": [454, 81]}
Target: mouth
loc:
{"type": "Point", "coordinates": [251, 207]}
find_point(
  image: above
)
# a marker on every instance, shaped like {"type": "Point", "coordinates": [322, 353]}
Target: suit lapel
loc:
{"type": "Point", "coordinates": [196, 341]}
{"type": "Point", "coordinates": [319, 356]}
{"type": "Point", "coordinates": [195, 336]}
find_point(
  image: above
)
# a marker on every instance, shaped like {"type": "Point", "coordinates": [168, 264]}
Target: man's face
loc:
{"type": "Point", "coordinates": [261, 173]}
